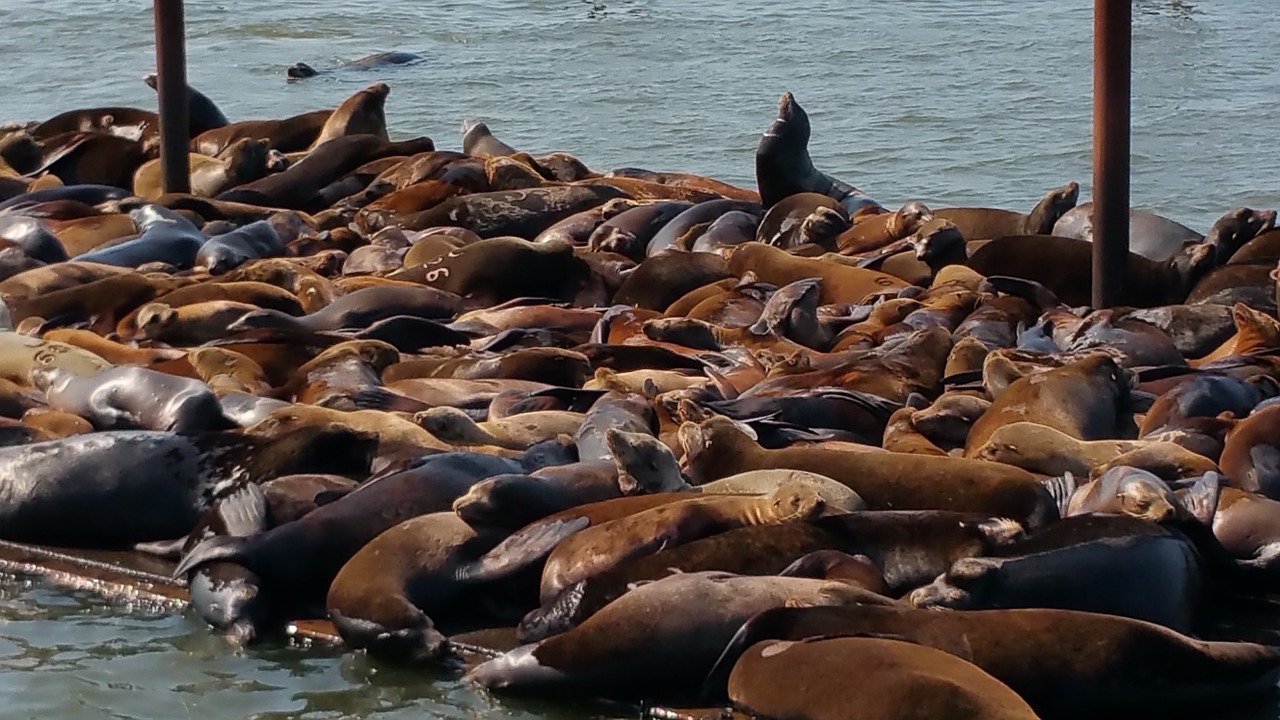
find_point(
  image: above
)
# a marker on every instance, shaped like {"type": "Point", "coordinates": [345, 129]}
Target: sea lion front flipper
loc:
{"type": "Point", "coordinates": [244, 511]}
{"type": "Point", "coordinates": [218, 547]}
{"type": "Point", "coordinates": [168, 549]}
{"type": "Point", "coordinates": [526, 546]}
{"type": "Point", "coordinates": [1061, 488]}
{"type": "Point", "coordinates": [1201, 499]}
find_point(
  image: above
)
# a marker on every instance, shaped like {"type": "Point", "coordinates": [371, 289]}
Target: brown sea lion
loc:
{"type": "Point", "coordinates": [718, 449]}
{"type": "Point", "coordinates": [478, 140]}
{"type": "Point", "coordinates": [1251, 456]}
{"type": "Point", "coordinates": [661, 280]}
{"type": "Point", "coordinates": [578, 228]}
{"type": "Point", "coordinates": [684, 179]}
{"type": "Point", "coordinates": [191, 324]}
{"type": "Point", "coordinates": [515, 432]}
{"type": "Point", "coordinates": [983, 223]}
{"type": "Point", "coordinates": [876, 231]}
{"type": "Point", "coordinates": [629, 233]}
{"type": "Point", "coordinates": [56, 423]}
{"type": "Point", "coordinates": [1044, 450]}
{"type": "Point", "coordinates": [1126, 490]}
{"type": "Point", "coordinates": [109, 350]}
{"type": "Point", "coordinates": [675, 233]}
{"type": "Point", "coordinates": [228, 371]}
{"type": "Point", "coordinates": [20, 355]}
{"type": "Point", "coordinates": [821, 678]}
{"type": "Point", "coordinates": [690, 617]}
{"type": "Point", "coordinates": [1088, 399]}
{"type": "Point", "coordinates": [290, 134]}
{"type": "Point", "coordinates": [601, 547]}
{"type": "Point", "coordinates": [84, 234]}
{"type": "Point", "coordinates": [498, 269]}
{"type": "Point", "coordinates": [361, 114]}
{"type": "Point", "coordinates": [518, 213]}
{"type": "Point", "coordinates": [1125, 666]}
{"type": "Point", "coordinates": [803, 218]}
{"type": "Point", "coordinates": [839, 283]}
{"type": "Point", "coordinates": [241, 162]}
{"type": "Point", "coordinates": [387, 597]}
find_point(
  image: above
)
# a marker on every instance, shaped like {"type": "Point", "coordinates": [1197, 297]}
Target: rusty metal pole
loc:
{"type": "Point", "coordinates": [1112, 44]}
{"type": "Point", "coordinates": [171, 86]}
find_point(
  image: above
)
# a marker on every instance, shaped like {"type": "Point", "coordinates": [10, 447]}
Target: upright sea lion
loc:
{"type": "Point", "coordinates": [1126, 666]}
{"type": "Point", "coordinates": [821, 678]}
{"type": "Point", "coordinates": [203, 114]}
{"type": "Point", "coordinates": [984, 223]}
{"type": "Point", "coordinates": [361, 114]}
{"type": "Point", "coordinates": [673, 628]}
{"type": "Point", "coordinates": [479, 141]}
{"type": "Point", "coordinates": [601, 547]}
{"type": "Point", "coordinates": [783, 166]}
{"type": "Point", "coordinates": [112, 489]}
{"type": "Point", "coordinates": [718, 449]}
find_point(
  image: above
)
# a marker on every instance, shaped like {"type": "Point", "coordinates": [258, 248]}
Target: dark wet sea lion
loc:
{"type": "Point", "coordinates": [92, 159]}
{"type": "Point", "coordinates": [821, 678]}
{"type": "Point", "coordinates": [290, 134]}
{"type": "Point", "coordinates": [134, 398]}
{"type": "Point", "coordinates": [499, 269]}
{"type": "Point", "coordinates": [629, 233]}
{"type": "Point", "coordinates": [983, 223]}
{"type": "Point", "coordinates": [783, 166]}
{"type": "Point", "coordinates": [1085, 663]}
{"type": "Point", "coordinates": [33, 238]}
{"type": "Point", "coordinates": [227, 251]}
{"type": "Point", "coordinates": [165, 236]}
{"type": "Point", "coordinates": [1207, 395]}
{"type": "Point", "coordinates": [719, 449]}
{"type": "Point", "coordinates": [479, 141]}
{"type": "Point", "coordinates": [661, 280]}
{"type": "Point", "coordinates": [203, 114]}
{"type": "Point", "coordinates": [123, 487]}
{"type": "Point", "coordinates": [673, 628]}
{"type": "Point", "coordinates": [1112, 564]}
{"type": "Point", "coordinates": [578, 228]}
{"type": "Point", "coordinates": [703, 212]}
{"type": "Point", "coordinates": [361, 309]}
{"type": "Point", "coordinates": [299, 71]}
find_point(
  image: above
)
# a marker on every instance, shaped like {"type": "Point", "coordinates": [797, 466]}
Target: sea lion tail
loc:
{"type": "Point", "coordinates": [219, 547]}
{"type": "Point", "coordinates": [1061, 488]}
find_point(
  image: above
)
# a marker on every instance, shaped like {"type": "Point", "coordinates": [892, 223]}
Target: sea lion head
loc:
{"type": "Point", "coordinates": [1140, 493]}
{"type": "Point", "coordinates": [496, 501]}
{"type": "Point", "coordinates": [1051, 208]}
{"type": "Point", "coordinates": [447, 423]}
{"type": "Point", "coordinates": [645, 464]}
{"type": "Point", "coordinates": [1193, 262]}
{"type": "Point", "coordinates": [909, 218]}
{"type": "Point", "coordinates": [703, 443]}
{"type": "Point", "coordinates": [963, 587]}
{"type": "Point", "coordinates": [795, 502]}
{"type": "Point", "coordinates": [298, 71]}
{"type": "Point", "coordinates": [1238, 226]}
{"type": "Point", "coordinates": [153, 318]}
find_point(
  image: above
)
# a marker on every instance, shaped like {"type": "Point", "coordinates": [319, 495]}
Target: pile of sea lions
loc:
{"type": "Point", "coordinates": [661, 438]}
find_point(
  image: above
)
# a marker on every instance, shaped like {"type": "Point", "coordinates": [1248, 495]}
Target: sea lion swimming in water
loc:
{"type": "Point", "coordinates": [300, 71]}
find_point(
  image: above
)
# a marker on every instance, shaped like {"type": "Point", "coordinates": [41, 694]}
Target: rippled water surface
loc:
{"type": "Point", "coordinates": [974, 102]}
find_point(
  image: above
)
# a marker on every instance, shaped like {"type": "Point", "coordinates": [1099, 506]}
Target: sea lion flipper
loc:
{"type": "Point", "coordinates": [324, 497]}
{"type": "Point", "coordinates": [244, 511]}
{"type": "Point", "coordinates": [1201, 500]}
{"type": "Point", "coordinates": [169, 549]}
{"type": "Point", "coordinates": [218, 547]}
{"type": "Point", "coordinates": [1061, 488]}
{"type": "Point", "coordinates": [524, 547]}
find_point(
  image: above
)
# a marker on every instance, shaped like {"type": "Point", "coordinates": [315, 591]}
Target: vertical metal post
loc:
{"type": "Point", "coordinates": [171, 86]}
{"type": "Point", "coordinates": [1112, 42]}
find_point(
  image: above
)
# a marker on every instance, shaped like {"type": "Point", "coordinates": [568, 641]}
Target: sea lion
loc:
{"type": "Point", "coordinates": [228, 371]}
{"type": "Point", "coordinates": [1112, 564]}
{"type": "Point", "coordinates": [718, 449]}
{"type": "Point", "coordinates": [515, 432]}
{"type": "Point", "coordinates": [629, 233]}
{"type": "Point", "coordinates": [661, 280]}
{"type": "Point", "coordinates": [690, 617]}
{"type": "Point", "coordinates": [33, 238]}
{"type": "Point", "coordinates": [240, 162]}
{"type": "Point", "coordinates": [909, 548]}
{"type": "Point", "coordinates": [111, 351]}
{"type": "Point", "coordinates": [578, 228]}
{"type": "Point", "coordinates": [877, 231]}
{"type": "Point", "coordinates": [479, 141]}
{"type": "Point", "coordinates": [164, 236]}
{"type": "Point", "coordinates": [1251, 455]}
{"type": "Point", "coordinates": [1088, 400]}
{"type": "Point", "coordinates": [300, 71]}
{"type": "Point", "coordinates": [984, 223]}
{"type": "Point", "coordinates": [518, 213]}
{"type": "Point", "coordinates": [133, 398]}
{"type": "Point", "coordinates": [1150, 235]}
{"type": "Point", "coordinates": [189, 325]}
{"type": "Point", "coordinates": [227, 251]}
{"type": "Point", "coordinates": [856, 570]}
{"type": "Point", "coordinates": [838, 283]}
{"type": "Point", "coordinates": [499, 269]}
{"type": "Point", "coordinates": [117, 488]}
{"type": "Point", "coordinates": [947, 421]}
{"type": "Point", "coordinates": [81, 158]}
{"type": "Point", "coordinates": [601, 547]}
{"type": "Point", "coordinates": [1245, 524]}
{"type": "Point", "coordinates": [20, 355]}
{"type": "Point", "coordinates": [360, 309]}
{"type": "Point", "coordinates": [387, 597]}
{"type": "Point", "coordinates": [700, 213]}
{"type": "Point", "coordinates": [783, 166]}
{"type": "Point", "coordinates": [1043, 450]}
{"type": "Point", "coordinates": [822, 678]}
{"type": "Point", "coordinates": [203, 113]}
{"type": "Point", "coordinates": [516, 500]}
{"type": "Point", "coordinates": [291, 134]}
{"type": "Point", "coordinates": [1126, 666]}
{"type": "Point", "coordinates": [361, 114]}
{"type": "Point", "coordinates": [1126, 490]}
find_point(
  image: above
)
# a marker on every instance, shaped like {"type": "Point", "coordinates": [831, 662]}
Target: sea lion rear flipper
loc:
{"type": "Point", "coordinates": [324, 497]}
{"type": "Point", "coordinates": [1029, 290]}
{"type": "Point", "coordinates": [526, 546]}
{"type": "Point", "coordinates": [218, 547]}
{"type": "Point", "coordinates": [1061, 488]}
{"type": "Point", "coordinates": [168, 549]}
{"type": "Point", "coordinates": [1201, 499]}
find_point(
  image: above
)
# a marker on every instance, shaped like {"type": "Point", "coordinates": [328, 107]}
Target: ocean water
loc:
{"type": "Point", "coordinates": [981, 102]}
